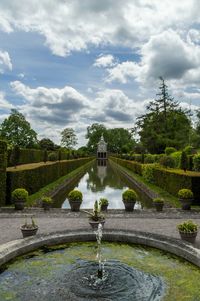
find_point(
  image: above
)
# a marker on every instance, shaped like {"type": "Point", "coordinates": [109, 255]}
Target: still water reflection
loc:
{"type": "Point", "coordinates": [101, 181]}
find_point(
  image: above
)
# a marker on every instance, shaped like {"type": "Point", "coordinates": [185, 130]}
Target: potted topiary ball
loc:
{"type": "Point", "coordinates": [29, 229]}
{"type": "Point", "coordinates": [186, 198]}
{"type": "Point", "coordinates": [188, 231]}
{"type": "Point", "coordinates": [46, 202]}
{"type": "Point", "coordinates": [104, 204]}
{"type": "Point", "coordinates": [158, 203]}
{"type": "Point", "coordinates": [75, 198]}
{"type": "Point", "coordinates": [129, 199]}
{"type": "Point", "coordinates": [19, 198]}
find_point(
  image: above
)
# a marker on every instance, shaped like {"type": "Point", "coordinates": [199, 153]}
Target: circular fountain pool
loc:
{"type": "Point", "coordinates": [68, 272]}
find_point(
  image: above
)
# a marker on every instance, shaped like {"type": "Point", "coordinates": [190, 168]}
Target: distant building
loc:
{"type": "Point", "coordinates": [102, 149]}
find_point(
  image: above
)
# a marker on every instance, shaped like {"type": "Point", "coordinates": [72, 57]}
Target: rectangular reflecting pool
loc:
{"type": "Point", "coordinates": [102, 179]}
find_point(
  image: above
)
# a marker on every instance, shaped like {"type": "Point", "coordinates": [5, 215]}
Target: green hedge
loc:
{"type": "Point", "coordinates": [168, 179]}
{"type": "Point", "coordinates": [3, 163]}
{"type": "Point", "coordinates": [34, 179]}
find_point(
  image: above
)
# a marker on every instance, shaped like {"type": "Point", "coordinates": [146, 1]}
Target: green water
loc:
{"type": "Point", "coordinates": [182, 279]}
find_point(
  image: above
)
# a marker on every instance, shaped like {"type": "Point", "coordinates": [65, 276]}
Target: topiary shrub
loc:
{"type": "Point", "coordinates": [189, 150]}
{"type": "Point", "coordinates": [75, 195]}
{"type": "Point", "coordinates": [149, 159]}
{"type": "Point", "coordinates": [45, 158]}
{"type": "Point", "coordinates": [129, 195]}
{"type": "Point", "coordinates": [15, 156]}
{"type": "Point", "coordinates": [20, 194]}
{"type": "Point", "coordinates": [148, 172]}
{"type": "Point", "coordinates": [52, 157]}
{"type": "Point", "coordinates": [184, 161]}
{"type": "Point", "coordinates": [177, 159]}
{"type": "Point", "coordinates": [185, 194]}
{"type": "Point", "coordinates": [170, 150]}
{"type": "Point", "coordinates": [167, 161]}
{"type": "Point", "coordinates": [196, 162]}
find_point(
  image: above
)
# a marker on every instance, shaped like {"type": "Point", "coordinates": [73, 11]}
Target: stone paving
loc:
{"type": "Point", "coordinates": [60, 220]}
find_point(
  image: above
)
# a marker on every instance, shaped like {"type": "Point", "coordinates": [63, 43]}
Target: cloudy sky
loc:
{"type": "Point", "coordinates": [70, 63]}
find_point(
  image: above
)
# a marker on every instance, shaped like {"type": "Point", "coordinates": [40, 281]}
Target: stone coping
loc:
{"type": "Point", "coordinates": [167, 213]}
{"type": "Point", "coordinates": [19, 247]}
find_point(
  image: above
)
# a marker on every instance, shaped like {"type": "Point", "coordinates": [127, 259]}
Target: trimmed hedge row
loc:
{"type": "Point", "coordinates": [34, 179]}
{"type": "Point", "coordinates": [168, 179]}
{"type": "Point", "coordinates": [3, 161]}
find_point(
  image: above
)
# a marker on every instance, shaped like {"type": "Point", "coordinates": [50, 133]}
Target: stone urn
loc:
{"type": "Point", "coordinates": [95, 224]}
{"type": "Point", "coordinates": [129, 198]}
{"type": "Point", "coordinates": [185, 197]}
{"type": "Point", "coordinates": [75, 198]}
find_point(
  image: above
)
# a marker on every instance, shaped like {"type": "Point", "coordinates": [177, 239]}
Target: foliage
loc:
{"type": "Point", "coordinates": [158, 200]}
{"type": "Point", "coordinates": [170, 150]}
{"type": "Point", "coordinates": [103, 201]}
{"type": "Point", "coordinates": [129, 195]}
{"type": "Point", "coordinates": [119, 140]}
{"type": "Point", "coordinates": [68, 138]}
{"type": "Point", "coordinates": [96, 215]}
{"type": "Point", "coordinates": [75, 195]}
{"type": "Point", "coordinates": [149, 158]}
{"type": "Point", "coordinates": [148, 172]}
{"type": "Point", "coordinates": [47, 144]}
{"type": "Point", "coordinates": [3, 163]}
{"type": "Point", "coordinates": [188, 227]}
{"type": "Point", "coordinates": [196, 162]}
{"type": "Point", "coordinates": [15, 156]}
{"type": "Point", "coordinates": [31, 225]}
{"type": "Point", "coordinates": [46, 199]}
{"type": "Point", "coordinates": [185, 194]}
{"type": "Point", "coordinates": [176, 156]}
{"type": "Point", "coordinates": [167, 161]}
{"type": "Point", "coordinates": [189, 150]}
{"type": "Point", "coordinates": [52, 157]}
{"type": "Point", "coordinates": [17, 131]}
{"type": "Point", "coordinates": [37, 177]}
{"type": "Point", "coordinates": [164, 124]}
{"type": "Point", "coordinates": [184, 161]}
{"type": "Point", "coordinates": [45, 158]}
{"type": "Point", "coordinates": [27, 156]}
{"type": "Point", "coordinates": [20, 194]}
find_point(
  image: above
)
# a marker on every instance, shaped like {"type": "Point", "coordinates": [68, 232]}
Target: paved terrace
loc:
{"type": "Point", "coordinates": [62, 219]}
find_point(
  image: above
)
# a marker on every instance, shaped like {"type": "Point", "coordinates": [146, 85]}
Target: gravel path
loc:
{"type": "Point", "coordinates": [59, 220]}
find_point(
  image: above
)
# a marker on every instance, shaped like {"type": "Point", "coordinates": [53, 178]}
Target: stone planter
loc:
{"type": "Point", "coordinates": [46, 206]}
{"type": "Point", "coordinates": [26, 232]}
{"type": "Point", "coordinates": [158, 206]}
{"type": "Point", "coordinates": [129, 205]}
{"type": "Point", "coordinates": [95, 224]}
{"type": "Point", "coordinates": [189, 237]}
{"type": "Point", "coordinates": [19, 204]}
{"type": "Point", "coordinates": [75, 205]}
{"type": "Point", "coordinates": [186, 203]}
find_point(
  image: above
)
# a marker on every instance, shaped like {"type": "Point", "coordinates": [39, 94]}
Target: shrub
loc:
{"type": "Point", "coordinates": [148, 172]}
{"type": "Point", "coordinates": [184, 161]}
{"type": "Point", "coordinates": [158, 200]}
{"type": "Point", "coordinates": [169, 150]}
{"type": "Point", "coordinates": [185, 194]}
{"type": "Point", "coordinates": [129, 195]}
{"type": "Point", "coordinates": [3, 163]}
{"type": "Point", "coordinates": [103, 201]}
{"type": "Point", "coordinates": [149, 158]}
{"type": "Point", "coordinates": [20, 194]}
{"type": "Point", "coordinates": [75, 195]}
{"type": "Point", "coordinates": [167, 161]}
{"type": "Point", "coordinates": [52, 156]}
{"type": "Point", "coordinates": [15, 155]}
{"type": "Point", "coordinates": [46, 199]}
{"type": "Point", "coordinates": [196, 162]}
{"type": "Point", "coordinates": [188, 227]}
{"type": "Point", "coordinates": [177, 159]}
{"type": "Point", "coordinates": [45, 158]}
{"type": "Point", "coordinates": [189, 150]}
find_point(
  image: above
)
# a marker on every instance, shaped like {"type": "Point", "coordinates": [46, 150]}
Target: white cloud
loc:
{"type": "Point", "coordinates": [5, 61]}
{"type": "Point", "coordinates": [75, 25]}
{"type": "Point", "coordinates": [4, 104]}
{"type": "Point", "coordinates": [104, 61]}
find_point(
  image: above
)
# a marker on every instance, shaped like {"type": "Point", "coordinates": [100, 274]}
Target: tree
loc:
{"type": "Point", "coordinates": [94, 133]}
{"type": "Point", "coordinates": [120, 140]}
{"type": "Point", "coordinates": [47, 144]}
{"type": "Point", "coordinates": [164, 124]}
{"type": "Point", "coordinates": [184, 161]}
{"type": "Point", "coordinates": [68, 139]}
{"type": "Point", "coordinates": [17, 131]}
